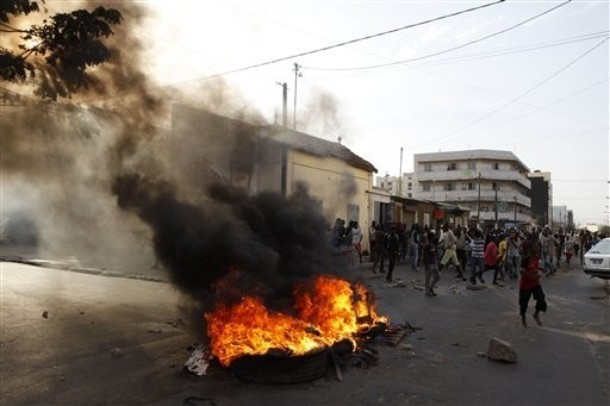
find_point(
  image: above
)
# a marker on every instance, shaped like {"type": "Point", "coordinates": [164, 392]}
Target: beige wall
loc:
{"type": "Point", "coordinates": [334, 182]}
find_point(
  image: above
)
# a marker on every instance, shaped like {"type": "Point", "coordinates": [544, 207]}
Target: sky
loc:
{"type": "Point", "coordinates": [529, 77]}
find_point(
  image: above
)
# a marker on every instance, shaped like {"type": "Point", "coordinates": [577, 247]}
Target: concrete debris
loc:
{"type": "Point", "coordinates": [407, 347]}
{"type": "Point", "coordinates": [116, 352]}
{"type": "Point", "coordinates": [476, 287]}
{"type": "Point", "coordinates": [500, 350]}
{"type": "Point", "coordinates": [199, 361]}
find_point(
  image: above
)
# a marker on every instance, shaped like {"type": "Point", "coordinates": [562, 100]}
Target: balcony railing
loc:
{"type": "Point", "coordinates": [473, 175]}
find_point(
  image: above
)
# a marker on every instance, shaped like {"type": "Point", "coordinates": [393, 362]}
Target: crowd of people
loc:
{"type": "Point", "coordinates": [472, 253]}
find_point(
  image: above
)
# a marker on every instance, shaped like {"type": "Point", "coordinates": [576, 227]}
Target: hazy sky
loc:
{"type": "Point", "coordinates": [486, 79]}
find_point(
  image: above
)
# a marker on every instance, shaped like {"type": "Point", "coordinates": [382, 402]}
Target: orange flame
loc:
{"type": "Point", "coordinates": [329, 310]}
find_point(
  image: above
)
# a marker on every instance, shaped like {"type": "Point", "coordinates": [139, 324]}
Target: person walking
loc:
{"type": "Point", "coordinates": [415, 243]}
{"type": "Point", "coordinates": [569, 248]}
{"type": "Point", "coordinates": [514, 254]}
{"type": "Point", "coordinates": [392, 248]}
{"type": "Point", "coordinates": [372, 230]}
{"type": "Point", "coordinates": [547, 244]}
{"type": "Point", "coordinates": [461, 249]}
{"type": "Point", "coordinates": [449, 244]}
{"type": "Point", "coordinates": [380, 252]}
{"type": "Point", "coordinates": [429, 260]}
{"type": "Point", "coordinates": [529, 284]}
{"type": "Point", "coordinates": [476, 260]}
{"type": "Point", "coordinates": [490, 257]}
{"type": "Point", "coordinates": [356, 233]}
{"type": "Point", "coordinates": [502, 251]}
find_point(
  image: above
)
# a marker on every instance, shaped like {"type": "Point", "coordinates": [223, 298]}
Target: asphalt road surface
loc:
{"type": "Point", "coordinates": [76, 338]}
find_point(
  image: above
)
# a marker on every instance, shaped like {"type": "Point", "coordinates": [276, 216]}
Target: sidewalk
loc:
{"type": "Point", "coordinates": [31, 256]}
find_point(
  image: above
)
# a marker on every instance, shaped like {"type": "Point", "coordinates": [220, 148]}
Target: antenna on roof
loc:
{"type": "Point", "coordinates": [339, 139]}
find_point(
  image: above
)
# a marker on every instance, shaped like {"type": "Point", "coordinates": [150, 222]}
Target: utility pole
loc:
{"type": "Point", "coordinates": [297, 74]}
{"type": "Point", "coordinates": [496, 208]}
{"type": "Point", "coordinates": [479, 202]}
{"type": "Point", "coordinates": [284, 103]}
{"type": "Point", "coordinates": [400, 175]}
{"type": "Point", "coordinates": [515, 209]}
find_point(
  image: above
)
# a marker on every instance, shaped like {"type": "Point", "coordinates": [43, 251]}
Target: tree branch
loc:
{"type": "Point", "coordinates": [12, 29]}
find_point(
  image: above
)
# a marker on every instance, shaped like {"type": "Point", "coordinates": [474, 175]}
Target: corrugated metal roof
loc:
{"type": "Point", "coordinates": [317, 146]}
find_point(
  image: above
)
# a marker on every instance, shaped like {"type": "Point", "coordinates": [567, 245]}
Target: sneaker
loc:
{"type": "Point", "coordinates": [430, 292]}
{"type": "Point", "coordinates": [473, 281]}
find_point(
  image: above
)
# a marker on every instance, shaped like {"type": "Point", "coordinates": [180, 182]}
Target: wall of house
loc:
{"type": "Point", "coordinates": [340, 188]}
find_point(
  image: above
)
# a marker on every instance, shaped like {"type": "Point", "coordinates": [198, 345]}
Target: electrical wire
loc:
{"type": "Point", "coordinates": [520, 96]}
{"type": "Point", "coordinates": [388, 64]}
{"type": "Point", "coordinates": [515, 50]}
{"type": "Point", "coordinates": [318, 50]}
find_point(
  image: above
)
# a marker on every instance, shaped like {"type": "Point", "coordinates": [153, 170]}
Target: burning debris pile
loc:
{"type": "Point", "coordinates": [258, 268]}
{"type": "Point", "coordinates": [261, 272]}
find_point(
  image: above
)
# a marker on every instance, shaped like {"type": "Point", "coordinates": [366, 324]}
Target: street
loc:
{"type": "Point", "coordinates": [77, 338]}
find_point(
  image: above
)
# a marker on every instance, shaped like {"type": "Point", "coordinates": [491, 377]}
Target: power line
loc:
{"type": "Point", "coordinates": [384, 65]}
{"type": "Point", "coordinates": [522, 95]}
{"type": "Point", "coordinates": [514, 50]}
{"type": "Point", "coordinates": [540, 108]}
{"type": "Point", "coordinates": [326, 48]}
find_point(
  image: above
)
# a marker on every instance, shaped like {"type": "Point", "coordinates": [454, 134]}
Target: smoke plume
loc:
{"type": "Point", "coordinates": [104, 184]}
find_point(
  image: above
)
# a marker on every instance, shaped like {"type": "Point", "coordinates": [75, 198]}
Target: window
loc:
{"type": "Point", "coordinates": [494, 186]}
{"type": "Point", "coordinates": [427, 167]}
{"type": "Point", "coordinates": [451, 166]}
{"type": "Point", "coordinates": [470, 186]}
{"type": "Point", "coordinates": [426, 187]}
{"type": "Point", "coordinates": [448, 186]}
{"type": "Point", "coordinates": [495, 165]}
{"type": "Point", "coordinates": [464, 186]}
{"type": "Point", "coordinates": [472, 165]}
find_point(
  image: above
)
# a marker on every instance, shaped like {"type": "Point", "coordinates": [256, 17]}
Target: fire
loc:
{"type": "Point", "coordinates": [328, 310]}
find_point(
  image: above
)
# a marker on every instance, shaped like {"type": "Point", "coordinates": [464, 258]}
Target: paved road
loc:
{"type": "Point", "coordinates": [115, 340]}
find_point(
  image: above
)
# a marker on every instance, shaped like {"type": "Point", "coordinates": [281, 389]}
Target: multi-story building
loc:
{"type": "Point", "coordinates": [542, 197]}
{"type": "Point", "coordinates": [492, 184]}
{"type": "Point", "coordinates": [402, 187]}
{"type": "Point", "coordinates": [560, 217]}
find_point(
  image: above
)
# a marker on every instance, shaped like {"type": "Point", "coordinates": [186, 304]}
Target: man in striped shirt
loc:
{"type": "Point", "coordinates": [478, 252]}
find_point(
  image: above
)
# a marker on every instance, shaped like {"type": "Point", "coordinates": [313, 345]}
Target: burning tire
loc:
{"type": "Point", "coordinates": [281, 368]}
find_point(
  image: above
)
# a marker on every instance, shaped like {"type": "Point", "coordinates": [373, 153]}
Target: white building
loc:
{"type": "Point", "coordinates": [403, 187]}
{"type": "Point", "coordinates": [492, 184]}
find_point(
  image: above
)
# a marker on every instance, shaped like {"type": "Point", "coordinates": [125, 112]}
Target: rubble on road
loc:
{"type": "Point", "coordinates": [199, 361]}
{"type": "Point", "coordinates": [500, 350]}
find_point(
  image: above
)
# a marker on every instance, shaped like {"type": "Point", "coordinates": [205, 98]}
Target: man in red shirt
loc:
{"type": "Point", "coordinates": [530, 280]}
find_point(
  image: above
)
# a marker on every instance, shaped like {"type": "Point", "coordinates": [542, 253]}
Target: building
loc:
{"type": "Point", "coordinates": [402, 187]}
{"type": "Point", "coordinates": [542, 197]}
{"type": "Point", "coordinates": [262, 158]}
{"type": "Point", "coordinates": [492, 185]}
{"type": "Point", "coordinates": [560, 217]}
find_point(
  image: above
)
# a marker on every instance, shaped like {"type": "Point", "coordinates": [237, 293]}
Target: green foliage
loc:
{"type": "Point", "coordinates": [56, 54]}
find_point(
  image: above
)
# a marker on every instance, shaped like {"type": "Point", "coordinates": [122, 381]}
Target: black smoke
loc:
{"type": "Point", "coordinates": [263, 243]}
